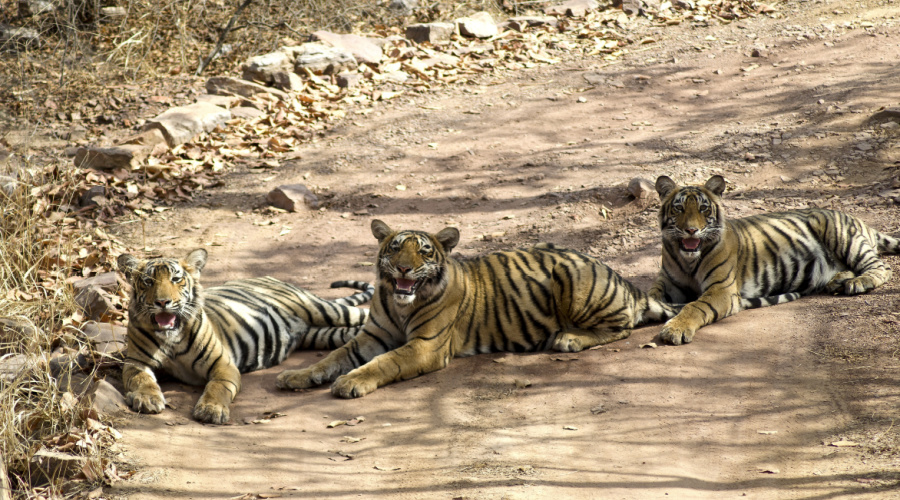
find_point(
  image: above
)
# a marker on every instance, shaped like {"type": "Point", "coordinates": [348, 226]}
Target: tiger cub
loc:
{"type": "Point", "coordinates": [212, 336]}
{"type": "Point", "coordinates": [429, 307]}
{"type": "Point", "coordinates": [722, 266]}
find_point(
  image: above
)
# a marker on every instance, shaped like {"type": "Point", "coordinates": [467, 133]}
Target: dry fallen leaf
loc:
{"type": "Point", "coordinates": [570, 428]}
{"type": "Point", "coordinates": [335, 423]}
{"type": "Point", "coordinates": [522, 383]}
{"type": "Point", "coordinates": [648, 345]}
{"type": "Point", "coordinates": [767, 432]}
{"type": "Point", "coordinates": [383, 468]}
{"type": "Point", "coordinates": [844, 444]}
{"type": "Point", "coordinates": [597, 410]}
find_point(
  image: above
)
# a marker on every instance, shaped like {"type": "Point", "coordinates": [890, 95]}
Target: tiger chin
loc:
{"type": "Point", "coordinates": [430, 307]}
{"type": "Point", "coordinates": [209, 337]}
{"type": "Point", "coordinates": [720, 266]}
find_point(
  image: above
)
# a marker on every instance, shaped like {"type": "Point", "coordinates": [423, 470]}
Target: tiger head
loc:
{"type": "Point", "coordinates": [412, 264]}
{"type": "Point", "coordinates": [165, 293]}
{"type": "Point", "coordinates": [691, 217]}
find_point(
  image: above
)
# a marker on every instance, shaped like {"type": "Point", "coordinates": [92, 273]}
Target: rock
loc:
{"type": "Point", "coordinates": [75, 134]}
{"type": "Point", "coordinates": [759, 52]}
{"type": "Point", "coordinates": [226, 85]}
{"type": "Point", "coordinates": [363, 49]}
{"type": "Point", "coordinates": [107, 338]}
{"type": "Point", "coordinates": [108, 282]}
{"type": "Point", "coordinates": [262, 68]}
{"type": "Point", "coordinates": [12, 38]}
{"type": "Point", "coordinates": [886, 115]}
{"type": "Point", "coordinates": [222, 101]}
{"type": "Point", "coordinates": [287, 81]}
{"type": "Point", "coordinates": [478, 25]}
{"type": "Point", "coordinates": [403, 7]}
{"type": "Point", "coordinates": [292, 197]}
{"type": "Point", "coordinates": [50, 465]}
{"type": "Point", "coordinates": [95, 302]}
{"type": "Point", "coordinates": [323, 60]}
{"type": "Point", "coordinates": [105, 398]}
{"type": "Point", "coordinates": [124, 156]}
{"type": "Point", "coordinates": [13, 366]}
{"type": "Point", "coordinates": [181, 124]}
{"type": "Point", "coordinates": [572, 8]}
{"type": "Point", "coordinates": [430, 32]}
{"type": "Point", "coordinates": [246, 112]}
{"type": "Point", "coordinates": [148, 138]}
{"type": "Point", "coordinates": [632, 7]}
{"type": "Point", "coordinates": [12, 328]}
{"type": "Point", "coordinates": [348, 80]}
{"type": "Point", "coordinates": [519, 23]}
{"type": "Point", "coordinates": [112, 14]}
{"type": "Point", "coordinates": [641, 188]}
{"type": "Point", "coordinates": [28, 8]}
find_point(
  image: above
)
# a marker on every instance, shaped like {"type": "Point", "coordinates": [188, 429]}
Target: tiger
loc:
{"type": "Point", "coordinates": [719, 266]}
{"type": "Point", "coordinates": [211, 336]}
{"type": "Point", "coordinates": [430, 307]}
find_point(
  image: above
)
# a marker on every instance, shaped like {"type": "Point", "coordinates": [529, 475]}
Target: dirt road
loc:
{"type": "Point", "coordinates": [752, 408]}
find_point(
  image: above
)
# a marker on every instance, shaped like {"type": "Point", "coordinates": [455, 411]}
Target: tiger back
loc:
{"type": "Point", "coordinates": [211, 336]}
{"type": "Point", "coordinates": [429, 308]}
{"type": "Point", "coordinates": [720, 266]}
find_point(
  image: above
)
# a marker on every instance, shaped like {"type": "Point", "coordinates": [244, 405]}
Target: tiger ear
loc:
{"type": "Point", "coordinates": [448, 238]}
{"type": "Point", "coordinates": [716, 184]}
{"type": "Point", "coordinates": [197, 259]}
{"type": "Point", "coordinates": [380, 230]}
{"type": "Point", "coordinates": [664, 185]}
{"type": "Point", "coordinates": [128, 264]}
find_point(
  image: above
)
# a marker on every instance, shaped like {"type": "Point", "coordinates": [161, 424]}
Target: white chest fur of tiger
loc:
{"type": "Point", "coordinates": [429, 307]}
{"type": "Point", "coordinates": [211, 336]}
{"type": "Point", "coordinates": [720, 266]}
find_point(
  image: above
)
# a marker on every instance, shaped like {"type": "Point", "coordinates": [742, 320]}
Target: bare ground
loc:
{"type": "Point", "coordinates": [750, 408]}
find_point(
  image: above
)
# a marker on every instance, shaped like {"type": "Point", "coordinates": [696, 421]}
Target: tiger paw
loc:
{"type": "Point", "coordinates": [146, 402]}
{"type": "Point", "coordinates": [856, 286]}
{"type": "Point", "coordinates": [567, 342]}
{"type": "Point", "coordinates": [675, 335]}
{"type": "Point", "coordinates": [349, 386]}
{"type": "Point", "coordinates": [211, 413]}
{"type": "Point", "coordinates": [299, 379]}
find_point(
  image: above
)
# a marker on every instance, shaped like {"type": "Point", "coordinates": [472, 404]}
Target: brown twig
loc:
{"type": "Point", "coordinates": [221, 41]}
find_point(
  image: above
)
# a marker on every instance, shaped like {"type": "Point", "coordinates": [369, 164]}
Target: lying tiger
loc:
{"type": "Point", "coordinates": [722, 266]}
{"type": "Point", "coordinates": [212, 336]}
{"type": "Point", "coordinates": [429, 307]}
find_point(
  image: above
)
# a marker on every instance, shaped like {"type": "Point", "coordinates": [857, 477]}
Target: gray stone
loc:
{"type": "Point", "coordinates": [362, 48]}
{"type": "Point", "coordinates": [403, 7]}
{"type": "Point", "coordinates": [181, 124]}
{"type": "Point", "coordinates": [13, 328]}
{"type": "Point", "coordinates": [287, 81]}
{"type": "Point", "coordinates": [246, 112]}
{"type": "Point", "coordinates": [95, 195]}
{"type": "Point", "coordinates": [226, 85]}
{"type": "Point", "coordinates": [478, 25]}
{"type": "Point", "coordinates": [49, 465]}
{"type": "Point", "coordinates": [261, 68]}
{"type": "Point", "coordinates": [323, 60]}
{"type": "Point", "coordinates": [886, 115]}
{"type": "Point", "coordinates": [107, 338]}
{"type": "Point", "coordinates": [105, 398]}
{"type": "Point", "coordinates": [108, 281]}
{"type": "Point", "coordinates": [222, 101]}
{"type": "Point", "coordinates": [572, 8]}
{"type": "Point", "coordinates": [348, 80]}
{"type": "Point", "coordinates": [519, 23]}
{"type": "Point", "coordinates": [112, 14]}
{"type": "Point", "coordinates": [641, 188]}
{"type": "Point", "coordinates": [12, 38]}
{"type": "Point", "coordinates": [13, 366]}
{"type": "Point", "coordinates": [28, 8]}
{"type": "Point", "coordinates": [96, 303]}
{"type": "Point", "coordinates": [292, 197]}
{"type": "Point", "coordinates": [124, 156]}
{"type": "Point", "coordinates": [430, 32]}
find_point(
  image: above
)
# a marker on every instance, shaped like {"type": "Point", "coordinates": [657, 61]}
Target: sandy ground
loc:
{"type": "Point", "coordinates": [749, 409]}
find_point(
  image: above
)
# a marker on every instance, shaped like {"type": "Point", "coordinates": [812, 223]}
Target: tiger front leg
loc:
{"type": "Point", "coordinates": [363, 347]}
{"type": "Point", "coordinates": [576, 341]}
{"type": "Point", "coordinates": [713, 305]}
{"type": "Point", "coordinates": [142, 393]}
{"type": "Point", "coordinates": [409, 361]}
{"type": "Point", "coordinates": [213, 406]}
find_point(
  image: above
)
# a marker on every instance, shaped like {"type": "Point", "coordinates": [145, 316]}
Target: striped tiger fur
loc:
{"type": "Point", "coordinates": [212, 336]}
{"type": "Point", "coordinates": [430, 307]}
{"type": "Point", "coordinates": [720, 266]}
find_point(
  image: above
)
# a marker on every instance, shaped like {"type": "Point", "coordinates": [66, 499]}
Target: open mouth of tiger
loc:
{"type": "Point", "coordinates": [690, 245]}
{"type": "Point", "coordinates": [403, 286]}
{"type": "Point", "coordinates": [165, 321]}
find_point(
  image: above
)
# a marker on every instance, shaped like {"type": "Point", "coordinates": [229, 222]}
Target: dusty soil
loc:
{"type": "Point", "coordinates": [750, 408]}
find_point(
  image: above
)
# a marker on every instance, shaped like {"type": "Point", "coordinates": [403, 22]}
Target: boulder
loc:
{"type": "Point", "coordinates": [348, 80]}
{"type": "Point", "coordinates": [105, 398]}
{"type": "Point", "coordinates": [181, 124]}
{"type": "Point", "coordinates": [262, 68]}
{"type": "Point", "coordinates": [322, 59]}
{"type": "Point", "coordinates": [293, 197]}
{"type": "Point", "coordinates": [478, 25]}
{"type": "Point", "coordinates": [287, 81]}
{"type": "Point", "coordinates": [362, 48]}
{"type": "Point", "coordinates": [430, 32]}
{"type": "Point", "coordinates": [642, 188]}
{"type": "Point", "coordinates": [226, 85]}
{"type": "Point", "coordinates": [246, 112]}
{"type": "Point", "coordinates": [111, 158]}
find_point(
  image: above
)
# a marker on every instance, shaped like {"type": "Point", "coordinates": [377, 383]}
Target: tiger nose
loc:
{"type": "Point", "coordinates": [403, 270]}
{"type": "Point", "coordinates": [163, 302]}
{"type": "Point", "coordinates": [691, 230]}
